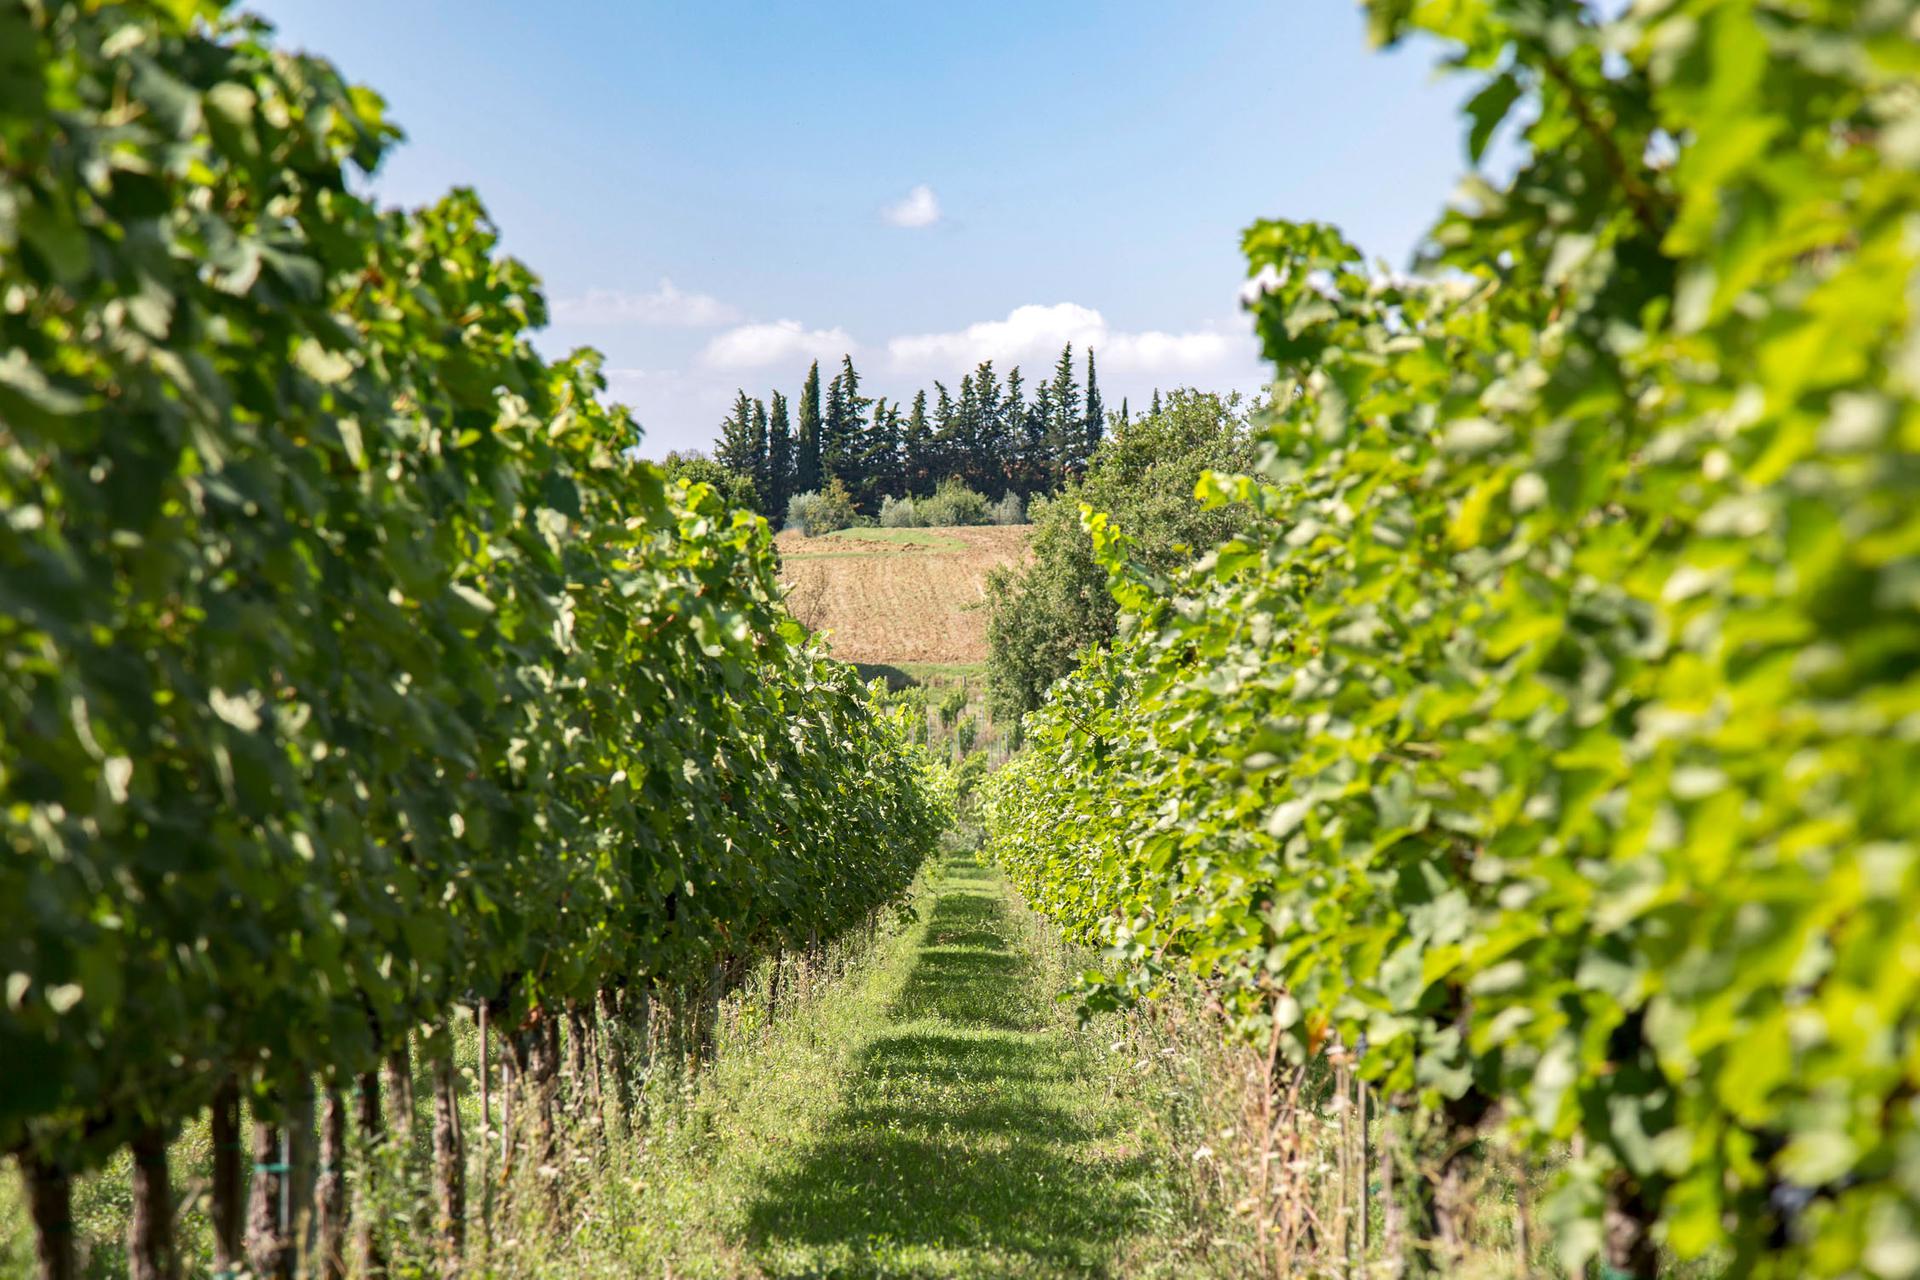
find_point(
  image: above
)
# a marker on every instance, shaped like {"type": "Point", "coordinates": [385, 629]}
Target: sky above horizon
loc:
{"type": "Point", "coordinates": [716, 195]}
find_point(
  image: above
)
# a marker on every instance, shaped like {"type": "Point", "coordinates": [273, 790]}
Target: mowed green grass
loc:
{"type": "Point", "coordinates": [850, 539]}
{"type": "Point", "coordinates": [969, 1139]}
{"type": "Point", "coordinates": [937, 1114]}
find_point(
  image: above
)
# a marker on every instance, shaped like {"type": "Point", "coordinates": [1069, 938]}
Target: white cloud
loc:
{"type": "Point", "coordinates": [918, 208]}
{"type": "Point", "coordinates": [666, 305]}
{"type": "Point", "coordinates": [679, 394]}
{"type": "Point", "coordinates": [1033, 335]}
{"type": "Point", "coordinates": [752, 345]}
{"type": "Point", "coordinates": [623, 383]}
{"type": "Point", "coordinates": [676, 409]}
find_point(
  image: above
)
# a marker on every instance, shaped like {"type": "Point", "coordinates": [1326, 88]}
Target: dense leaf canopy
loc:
{"type": "Point", "coordinates": [1554, 730]}
{"type": "Point", "coordinates": [349, 665]}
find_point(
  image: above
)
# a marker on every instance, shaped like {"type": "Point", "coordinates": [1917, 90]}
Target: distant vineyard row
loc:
{"type": "Point", "coordinates": [1548, 745]}
{"type": "Point", "coordinates": [350, 670]}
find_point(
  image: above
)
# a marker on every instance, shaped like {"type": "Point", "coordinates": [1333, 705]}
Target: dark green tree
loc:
{"type": "Point", "coordinates": [735, 450]}
{"type": "Point", "coordinates": [762, 473]}
{"type": "Point", "coordinates": [916, 449]}
{"type": "Point", "coordinates": [1047, 611]}
{"type": "Point", "coordinates": [851, 378]}
{"type": "Point", "coordinates": [806, 466]}
{"type": "Point", "coordinates": [1096, 418]}
{"type": "Point", "coordinates": [840, 426]}
{"type": "Point", "coordinates": [834, 431]}
{"type": "Point", "coordinates": [963, 445]}
{"type": "Point", "coordinates": [881, 471]}
{"type": "Point", "coordinates": [1066, 432]}
{"type": "Point", "coordinates": [1036, 462]}
{"type": "Point", "coordinates": [983, 470]}
{"type": "Point", "coordinates": [941, 453]}
{"type": "Point", "coordinates": [1011, 433]}
{"type": "Point", "coordinates": [779, 459]}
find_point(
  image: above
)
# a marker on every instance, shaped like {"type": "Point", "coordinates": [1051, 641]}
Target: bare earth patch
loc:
{"type": "Point", "coordinates": [898, 595]}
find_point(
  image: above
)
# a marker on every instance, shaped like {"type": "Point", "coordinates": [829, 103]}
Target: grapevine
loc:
{"type": "Point", "coordinates": [1549, 741]}
{"type": "Point", "coordinates": [351, 669]}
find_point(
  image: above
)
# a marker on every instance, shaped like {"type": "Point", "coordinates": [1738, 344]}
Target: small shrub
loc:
{"type": "Point", "coordinates": [952, 503]}
{"type": "Point", "coordinates": [1010, 509]}
{"type": "Point", "coordinates": [898, 513]}
{"type": "Point", "coordinates": [799, 507]}
{"type": "Point", "coordinates": [834, 511]}
{"type": "Point", "coordinates": [822, 511]}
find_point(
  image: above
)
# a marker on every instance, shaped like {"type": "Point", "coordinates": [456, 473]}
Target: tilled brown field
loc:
{"type": "Point", "coordinates": [898, 595]}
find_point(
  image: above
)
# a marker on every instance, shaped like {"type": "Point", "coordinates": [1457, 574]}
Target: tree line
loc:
{"type": "Point", "coordinates": [990, 436]}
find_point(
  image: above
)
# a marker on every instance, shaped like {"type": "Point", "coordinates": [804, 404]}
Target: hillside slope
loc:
{"type": "Point", "coordinates": [898, 596]}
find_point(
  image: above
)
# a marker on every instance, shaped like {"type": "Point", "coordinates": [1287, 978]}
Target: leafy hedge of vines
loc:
{"type": "Point", "coordinates": [349, 667]}
{"type": "Point", "coordinates": [1558, 729]}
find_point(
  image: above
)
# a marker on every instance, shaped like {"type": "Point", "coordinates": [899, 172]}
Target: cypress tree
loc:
{"type": "Point", "coordinates": [806, 469]}
{"type": "Point", "coordinates": [964, 445]}
{"type": "Point", "coordinates": [1066, 433]}
{"type": "Point", "coordinates": [833, 432]}
{"type": "Point", "coordinates": [1035, 460]}
{"type": "Point", "coordinates": [735, 449]}
{"type": "Point", "coordinates": [880, 457]}
{"type": "Point", "coordinates": [983, 461]}
{"type": "Point", "coordinates": [855, 404]}
{"type": "Point", "coordinates": [856, 410]}
{"type": "Point", "coordinates": [762, 473]}
{"type": "Point", "coordinates": [1155, 411]}
{"type": "Point", "coordinates": [1011, 436]}
{"type": "Point", "coordinates": [779, 459]}
{"type": "Point", "coordinates": [840, 426]}
{"type": "Point", "coordinates": [941, 457]}
{"type": "Point", "coordinates": [916, 449]}
{"type": "Point", "coordinates": [1096, 421]}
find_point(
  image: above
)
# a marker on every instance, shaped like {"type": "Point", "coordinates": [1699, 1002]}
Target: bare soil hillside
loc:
{"type": "Point", "coordinates": [898, 595]}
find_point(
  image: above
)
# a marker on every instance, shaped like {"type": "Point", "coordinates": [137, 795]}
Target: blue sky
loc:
{"type": "Point", "coordinates": [715, 194]}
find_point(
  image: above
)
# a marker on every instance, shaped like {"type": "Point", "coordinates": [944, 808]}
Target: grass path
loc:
{"type": "Point", "coordinates": [939, 1115]}
{"type": "Point", "coordinates": [969, 1140]}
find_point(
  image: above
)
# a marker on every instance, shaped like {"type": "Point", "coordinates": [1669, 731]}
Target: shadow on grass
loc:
{"type": "Point", "coordinates": [896, 678]}
{"type": "Point", "coordinates": [958, 1135]}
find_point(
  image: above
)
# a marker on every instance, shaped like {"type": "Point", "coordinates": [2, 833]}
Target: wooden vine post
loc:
{"type": "Point", "coordinates": [225, 1195]}
{"type": "Point", "coordinates": [449, 1157]}
{"type": "Point", "coordinates": [369, 1251]}
{"type": "Point", "coordinates": [330, 1188]}
{"type": "Point", "coordinates": [269, 1243]}
{"type": "Point", "coordinates": [50, 1204]}
{"type": "Point", "coordinates": [613, 1027]}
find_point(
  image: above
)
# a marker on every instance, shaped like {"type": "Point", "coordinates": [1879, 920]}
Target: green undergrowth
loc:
{"type": "Point", "coordinates": [944, 672]}
{"type": "Point", "coordinates": [932, 539]}
{"type": "Point", "coordinates": [935, 538]}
